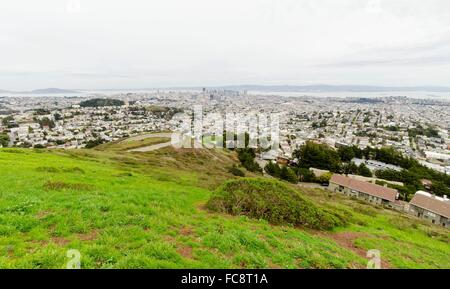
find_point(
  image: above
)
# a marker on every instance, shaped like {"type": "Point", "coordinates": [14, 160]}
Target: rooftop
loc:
{"type": "Point", "coordinates": [440, 206]}
{"type": "Point", "coordinates": [365, 187]}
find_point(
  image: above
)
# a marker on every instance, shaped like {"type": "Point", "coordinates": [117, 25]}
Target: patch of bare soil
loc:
{"type": "Point", "coordinates": [60, 241]}
{"type": "Point", "coordinates": [42, 214]}
{"type": "Point", "coordinates": [202, 207]}
{"type": "Point", "coordinates": [347, 240]}
{"type": "Point", "coordinates": [185, 251]}
{"type": "Point", "coordinates": [186, 231]}
{"type": "Point", "coordinates": [88, 236]}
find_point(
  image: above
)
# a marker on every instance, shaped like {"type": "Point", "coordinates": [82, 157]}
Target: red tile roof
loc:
{"type": "Point", "coordinates": [431, 204]}
{"type": "Point", "coordinates": [365, 187]}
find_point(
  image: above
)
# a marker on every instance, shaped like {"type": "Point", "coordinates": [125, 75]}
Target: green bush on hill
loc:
{"type": "Point", "coordinates": [236, 171]}
{"type": "Point", "coordinates": [100, 102]}
{"type": "Point", "coordinates": [4, 139]}
{"type": "Point", "coordinates": [271, 201]}
{"type": "Point", "coordinates": [247, 158]}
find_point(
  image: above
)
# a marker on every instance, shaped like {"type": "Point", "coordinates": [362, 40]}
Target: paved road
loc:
{"type": "Point", "coordinates": [311, 185]}
{"type": "Point", "coordinates": [152, 147]}
{"type": "Point", "coordinates": [156, 146]}
{"type": "Point", "coordinates": [148, 135]}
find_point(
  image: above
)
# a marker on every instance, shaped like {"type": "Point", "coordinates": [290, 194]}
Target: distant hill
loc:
{"type": "Point", "coordinates": [41, 91]}
{"type": "Point", "coordinates": [52, 91]}
{"type": "Point", "coordinates": [334, 88]}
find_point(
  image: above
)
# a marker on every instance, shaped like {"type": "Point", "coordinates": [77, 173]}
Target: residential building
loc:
{"type": "Point", "coordinates": [368, 192]}
{"type": "Point", "coordinates": [434, 209]}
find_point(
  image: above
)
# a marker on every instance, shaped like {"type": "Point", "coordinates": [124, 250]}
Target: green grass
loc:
{"type": "Point", "coordinates": [131, 210]}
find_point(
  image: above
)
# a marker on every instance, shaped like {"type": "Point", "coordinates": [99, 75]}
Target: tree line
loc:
{"type": "Point", "coordinates": [322, 156]}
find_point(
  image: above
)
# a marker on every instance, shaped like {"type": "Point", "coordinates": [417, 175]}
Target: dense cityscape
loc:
{"type": "Point", "coordinates": [417, 128]}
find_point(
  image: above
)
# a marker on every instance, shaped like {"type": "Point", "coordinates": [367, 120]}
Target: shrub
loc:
{"type": "Point", "coordinates": [306, 175]}
{"type": "Point", "coordinates": [271, 201]}
{"type": "Point", "coordinates": [273, 169]}
{"type": "Point", "coordinates": [247, 159]}
{"type": "Point", "coordinates": [236, 171]}
{"type": "Point", "coordinates": [47, 169]}
{"type": "Point", "coordinates": [289, 175]}
{"type": "Point", "coordinates": [364, 171]}
{"type": "Point", "coordinates": [325, 178]}
{"type": "Point", "coordinates": [59, 186]}
{"type": "Point", "coordinates": [93, 143]}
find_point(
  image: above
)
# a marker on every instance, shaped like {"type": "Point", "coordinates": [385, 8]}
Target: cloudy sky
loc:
{"type": "Point", "coordinates": [94, 44]}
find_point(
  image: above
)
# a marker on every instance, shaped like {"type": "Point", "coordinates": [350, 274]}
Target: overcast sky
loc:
{"type": "Point", "coordinates": [91, 44]}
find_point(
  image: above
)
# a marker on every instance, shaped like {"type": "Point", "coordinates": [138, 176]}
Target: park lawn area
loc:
{"type": "Point", "coordinates": [147, 210]}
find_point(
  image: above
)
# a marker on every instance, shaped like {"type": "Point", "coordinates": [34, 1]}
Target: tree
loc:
{"type": "Point", "coordinates": [346, 153]}
{"type": "Point", "coordinates": [363, 170]}
{"type": "Point", "coordinates": [9, 122]}
{"type": "Point", "coordinates": [439, 188]}
{"type": "Point", "coordinates": [41, 111]}
{"type": "Point", "coordinates": [4, 140]}
{"type": "Point", "coordinates": [100, 102]}
{"type": "Point", "coordinates": [321, 156]}
{"type": "Point", "coordinates": [46, 122]}
{"type": "Point", "coordinates": [247, 158]}
{"type": "Point", "coordinates": [350, 168]}
{"type": "Point", "coordinates": [57, 116]}
{"type": "Point", "coordinates": [273, 169]}
{"type": "Point", "coordinates": [93, 143]}
{"type": "Point", "coordinates": [306, 175]}
{"type": "Point", "coordinates": [289, 175]}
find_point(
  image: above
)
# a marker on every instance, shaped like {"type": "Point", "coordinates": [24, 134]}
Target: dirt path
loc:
{"type": "Point", "coordinates": [347, 240]}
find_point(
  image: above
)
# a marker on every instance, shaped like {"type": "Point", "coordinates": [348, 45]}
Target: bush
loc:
{"type": "Point", "coordinates": [247, 159]}
{"type": "Point", "coordinates": [273, 169]}
{"type": "Point", "coordinates": [4, 139]}
{"type": "Point", "coordinates": [306, 175]}
{"type": "Point", "coordinates": [271, 201]}
{"type": "Point", "coordinates": [59, 186]}
{"type": "Point", "coordinates": [325, 178]}
{"type": "Point", "coordinates": [101, 102]}
{"type": "Point", "coordinates": [289, 175]}
{"type": "Point", "coordinates": [364, 171]}
{"type": "Point", "coordinates": [236, 171]}
{"type": "Point", "coordinates": [93, 143]}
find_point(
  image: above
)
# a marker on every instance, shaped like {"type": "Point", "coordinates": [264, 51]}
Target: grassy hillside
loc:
{"type": "Point", "coordinates": [147, 210]}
